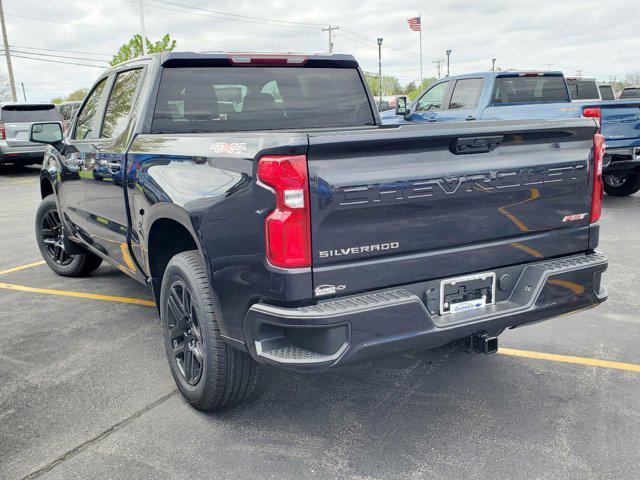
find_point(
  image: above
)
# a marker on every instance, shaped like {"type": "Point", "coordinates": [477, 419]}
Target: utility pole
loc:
{"type": "Point", "coordinates": [493, 64]}
{"type": "Point", "coordinates": [142, 30]}
{"type": "Point", "coordinates": [448, 55]}
{"type": "Point", "coordinates": [330, 29]}
{"type": "Point", "coordinates": [438, 62]}
{"type": "Point", "coordinates": [24, 94]}
{"type": "Point", "coordinates": [380, 67]}
{"type": "Point", "coordinates": [7, 55]}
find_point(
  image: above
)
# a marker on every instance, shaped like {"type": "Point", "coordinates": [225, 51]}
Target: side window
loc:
{"type": "Point", "coordinates": [121, 99]}
{"type": "Point", "coordinates": [432, 99]}
{"type": "Point", "coordinates": [87, 116]}
{"type": "Point", "coordinates": [466, 93]}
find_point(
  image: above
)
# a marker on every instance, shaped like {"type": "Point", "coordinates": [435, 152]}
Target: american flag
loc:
{"type": "Point", "coordinates": [414, 24]}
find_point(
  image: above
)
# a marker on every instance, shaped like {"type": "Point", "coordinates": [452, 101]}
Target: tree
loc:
{"type": "Point", "coordinates": [5, 89]}
{"type": "Point", "coordinates": [410, 87]}
{"type": "Point", "coordinates": [75, 96]}
{"type": "Point", "coordinates": [425, 83]}
{"type": "Point", "coordinates": [390, 85]}
{"type": "Point", "coordinates": [133, 49]}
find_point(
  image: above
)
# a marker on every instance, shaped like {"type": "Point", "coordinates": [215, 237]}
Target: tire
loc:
{"type": "Point", "coordinates": [210, 374]}
{"type": "Point", "coordinates": [621, 185]}
{"type": "Point", "coordinates": [49, 238]}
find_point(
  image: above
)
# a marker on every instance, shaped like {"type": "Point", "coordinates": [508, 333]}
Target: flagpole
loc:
{"type": "Point", "coordinates": [421, 77]}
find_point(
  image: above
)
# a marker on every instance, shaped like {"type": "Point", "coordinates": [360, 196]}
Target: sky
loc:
{"type": "Point", "coordinates": [590, 36]}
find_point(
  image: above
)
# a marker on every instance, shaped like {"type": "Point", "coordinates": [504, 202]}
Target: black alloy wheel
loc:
{"type": "Point", "coordinates": [52, 234]}
{"type": "Point", "coordinates": [185, 333]}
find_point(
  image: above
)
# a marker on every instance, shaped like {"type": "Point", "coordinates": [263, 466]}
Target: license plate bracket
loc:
{"type": "Point", "coordinates": [469, 292]}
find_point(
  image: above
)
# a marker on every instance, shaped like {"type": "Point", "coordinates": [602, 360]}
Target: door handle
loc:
{"type": "Point", "coordinates": [114, 166]}
{"type": "Point", "coordinates": [470, 117]}
{"type": "Point", "coordinates": [463, 146]}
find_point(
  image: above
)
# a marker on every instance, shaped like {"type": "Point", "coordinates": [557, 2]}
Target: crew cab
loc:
{"type": "Point", "coordinates": [277, 221]}
{"type": "Point", "coordinates": [620, 125]}
{"type": "Point", "coordinates": [505, 95]}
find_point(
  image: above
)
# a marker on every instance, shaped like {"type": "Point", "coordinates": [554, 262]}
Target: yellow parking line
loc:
{"type": "Point", "coordinates": [91, 296]}
{"type": "Point", "coordinates": [22, 267]}
{"type": "Point", "coordinates": [591, 362]}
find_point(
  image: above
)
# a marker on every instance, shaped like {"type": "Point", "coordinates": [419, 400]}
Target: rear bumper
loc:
{"type": "Point", "coordinates": [17, 154]}
{"type": "Point", "coordinates": [622, 159]}
{"type": "Point", "coordinates": [341, 331]}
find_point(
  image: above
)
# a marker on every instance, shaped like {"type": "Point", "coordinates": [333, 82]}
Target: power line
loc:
{"type": "Point", "coordinates": [63, 51]}
{"type": "Point", "coordinates": [247, 17]}
{"type": "Point", "coordinates": [59, 61]}
{"type": "Point", "coordinates": [12, 50]}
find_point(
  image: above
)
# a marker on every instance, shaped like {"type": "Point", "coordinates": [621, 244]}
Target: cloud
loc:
{"type": "Point", "coordinates": [571, 35]}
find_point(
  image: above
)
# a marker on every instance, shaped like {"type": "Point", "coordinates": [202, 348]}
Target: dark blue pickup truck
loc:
{"type": "Point", "coordinates": [277, 221]}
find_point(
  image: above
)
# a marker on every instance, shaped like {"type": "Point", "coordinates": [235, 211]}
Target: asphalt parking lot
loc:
{"type": "Point", "coordinates": [85, 390]}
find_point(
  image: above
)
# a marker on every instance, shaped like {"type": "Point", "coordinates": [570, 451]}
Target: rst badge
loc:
{"type": "Point", "coordinates": [574, 217]}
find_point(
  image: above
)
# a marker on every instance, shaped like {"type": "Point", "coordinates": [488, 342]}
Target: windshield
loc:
{"type": "Point", "coordinates": [218, 99]}
{"type": "Point", "coordinates": [583, 89]}
{"type": "Point", "coordinates": [630, 93]}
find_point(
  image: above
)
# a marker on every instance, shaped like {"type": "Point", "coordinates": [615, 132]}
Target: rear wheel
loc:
{"type": "Point", "coordinates": [49, 234]}
{"type": "Point", "coordinates": [621, 185]}
{"type": "Point", "coordinates": [210, 374]}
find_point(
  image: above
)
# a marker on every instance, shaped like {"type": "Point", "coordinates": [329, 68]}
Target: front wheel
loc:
{"type": "Point", "coordinates": [210, 374]}
{"type": "Point", "coordinates": [621, 185]}
{"type": "Point", "coordinates": [49, 235]}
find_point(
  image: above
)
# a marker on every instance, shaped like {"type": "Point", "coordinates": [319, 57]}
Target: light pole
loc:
{"type": "Point", "coordinates": [380, 68]}
{"type": "Point", "coordinates": [493, 64]}
{"type": "Point", "coordinates": [142, 30]}
{"type": "Point", "coordinates": [448, 55]}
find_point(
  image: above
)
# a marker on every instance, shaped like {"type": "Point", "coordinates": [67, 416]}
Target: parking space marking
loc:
{"type": "Point", "coordinates": [22, 267]}
{"type": "Point", "coordinates": [90, 296]}
{"type": "Point", "coordinates": [591, 362]}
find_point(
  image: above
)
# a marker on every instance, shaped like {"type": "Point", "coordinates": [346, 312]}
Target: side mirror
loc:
{"type": "Point", "coordinates": [49, 133]}
{"type": "Point", "coordinates": [401, 106]}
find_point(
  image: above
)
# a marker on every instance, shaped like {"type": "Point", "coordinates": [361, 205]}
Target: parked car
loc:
{"type": "Point", "coordinates": [300, 232]}
{"type": "Point", "coordinates": [630, 93]}
{"type": "Point", "coordinates": [15, 122]}
{"type": "Point", "coordinates": [620, 125]}
{"type": "Point", "coordinates": [606, 91]}
{"type": "Point", "coordinates": [583, 89]}
{"type": "Point", "coordinates": [67, 111]}
{"type": "Point", "coordinates": [490, 96]}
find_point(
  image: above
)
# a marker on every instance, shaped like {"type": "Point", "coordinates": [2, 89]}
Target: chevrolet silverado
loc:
{"type": "Point", "coordinates": [277, 221]}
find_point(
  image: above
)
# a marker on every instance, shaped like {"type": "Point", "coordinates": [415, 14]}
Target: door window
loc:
{"type": "Point", "coordinates": [466, 93]}
{"type": "Point", "coordinates": [432, 99]}
{"type": "Point", "coordinates": [116, 115]}
{"type": "Point", "coordinates": [85, 126]}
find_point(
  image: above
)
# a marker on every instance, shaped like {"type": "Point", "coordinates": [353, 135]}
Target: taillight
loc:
{"type": "Point", "coordinates": [288, 228]}
{"type": "Point", "coordinates": [598, 187]}
{"type": "Point", "coordinates": [3, 134]}
{"type": "Point", "coordinates": [593, 112]}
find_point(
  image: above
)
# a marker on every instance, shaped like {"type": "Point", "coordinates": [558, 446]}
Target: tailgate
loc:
{"type": "Point", "coordinates": [17, 134]}
{"type": "Point", "coordinates": [621, 120]}
{"type": "Point", "coordinates": [404, 204]}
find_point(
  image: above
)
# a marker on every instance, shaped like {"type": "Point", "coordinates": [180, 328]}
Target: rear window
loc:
{"type": "Point", "coordinates": [219, 99]}
{"type": "Point", "coordinates": [537, 89]}
{"type": "Point", "coordinates": [630, 93]}
{"type": "Point", "coordinates": [29, 113]}
{"type": "Point", "coordinates": [583, 89]}
{"type": "Point", "coordinates": [606, 92]}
